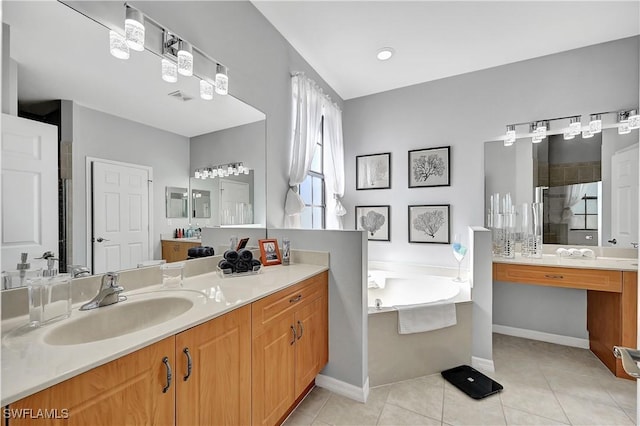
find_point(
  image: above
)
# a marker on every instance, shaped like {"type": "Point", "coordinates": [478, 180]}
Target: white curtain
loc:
{"type": "Point", "coordinates": [573, 194]}
{"type": "Point", "coordinates": [307, 102]}
{"type": "Point", "coordinates": [334, 161]}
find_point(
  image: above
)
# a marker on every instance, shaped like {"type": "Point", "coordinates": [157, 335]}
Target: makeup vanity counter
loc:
{"type": "Point", "coordinates": [176, 249]}
{"type": "Point", "coordinates": [611, 285]}
{"type": "Point", "coordinates": [30, 364]}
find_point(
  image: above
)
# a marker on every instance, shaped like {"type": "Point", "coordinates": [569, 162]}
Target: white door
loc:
{"type": "Point", "coordinates": [120, 232]}
{"type": "Point", "coordinates": [624, 197]}
{"type": "Point", "coordinates": [29, 189]}
{"type": "Point", "coordinates": [234, 202]}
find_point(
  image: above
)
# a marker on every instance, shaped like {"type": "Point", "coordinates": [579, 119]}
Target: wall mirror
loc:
{"type": "Point", "coordinates": [122, 112]}
{"type": "Point", "coordinates": [230, 198]}
{"type": "Point", "coordinates": [578, 181]}
{"type": "Point", "coordinates": [201, 204]}
{"type": "Point", "coordinates": [177, 200]}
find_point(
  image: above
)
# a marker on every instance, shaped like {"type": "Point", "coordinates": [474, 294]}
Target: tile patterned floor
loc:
{"type": "Point", "coordinates": [544, 384]}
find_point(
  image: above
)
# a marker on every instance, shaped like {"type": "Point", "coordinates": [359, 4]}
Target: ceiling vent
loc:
{"type": "Point", "coordinates": [180, 95]}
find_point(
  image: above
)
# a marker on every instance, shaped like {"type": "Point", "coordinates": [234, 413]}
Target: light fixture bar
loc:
{"type": "Point", "coordinates": [222, 170]}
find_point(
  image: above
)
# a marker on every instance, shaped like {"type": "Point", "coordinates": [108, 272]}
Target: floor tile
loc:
{"type": "Point", "coordinates": [393, 415]}
{"type": "Point", "coordinates": [314, 401]}
{"type": "Point", "coordinates": [423, 396]}
{"type": "Point", "coordinates": [343, 411]}
{"type": "Point", "coordinates": [623, 392]}
{"type": "Point", "coordinates": [533, 400]}
{"type": "Point", "coordinates": [585, 412]}
{"type": "Point", "coordinates": [585, 387]}
{"type": "Point", "coordinates": [517, 417]}
{"type": "Point", "coordinates": [460, 409]}
{"type": "Point", "coordinates": [298, 419]}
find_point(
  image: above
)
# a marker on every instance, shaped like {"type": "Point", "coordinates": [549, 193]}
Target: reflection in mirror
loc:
{"type": "Point", "coordinates": [201, 202]}
{"type": "Point", "coordinates": [177, 201]}
{"type": "Point", "coordinates": [579, 183]}
{"type": "Point", "coordinates": [115, 111]}
{"type": "Point", "coordinates": [231, 199]}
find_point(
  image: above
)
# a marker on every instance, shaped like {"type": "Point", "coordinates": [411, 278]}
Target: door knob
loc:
{"type": "Point", "coordinates": [100, 239]}
{"type": "Point", "coordinates": [635, 245]}
{"type": "Point", "coordinates": [613, 241]}
{"type": "Point", "coordinates": [630, 358]}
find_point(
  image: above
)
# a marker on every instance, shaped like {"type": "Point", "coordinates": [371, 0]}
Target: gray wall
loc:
{"type": "Point", "coordinates": [464, 112]}
{"type": "Point", "coordinates": [260, 63]}
{"type": "Point", "coordinates": [243, 143]}
{"type": "Point", "coordinates": [348, 312]}
{"type": "Point", "coordinates": [104, 136]}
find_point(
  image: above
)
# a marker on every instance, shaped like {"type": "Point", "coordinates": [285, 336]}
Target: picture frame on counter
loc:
{"type": "Point", "coordinates": [375, 220]}
{"type": "Point", "coordinates": [430, 167]}
{"type": "Point", "coordinates": [429, 223]}
{"type": "Point", "coordinates": [269, 252]}
{"type": "Point", "coordinates": [373, 171]}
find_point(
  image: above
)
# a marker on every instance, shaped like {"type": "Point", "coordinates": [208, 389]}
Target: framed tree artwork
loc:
{"type": "Point", "coordinates": [429, 167]}
{"type": "Point", "coordinates": [374, 220]}
{"type": "Point", "coordinates": [429, 224]}
{"type": "Point", "coordinates": [373, 171]}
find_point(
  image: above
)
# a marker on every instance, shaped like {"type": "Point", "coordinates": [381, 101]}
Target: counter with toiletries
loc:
{"type": "Point", "coordinates": [578, 257]}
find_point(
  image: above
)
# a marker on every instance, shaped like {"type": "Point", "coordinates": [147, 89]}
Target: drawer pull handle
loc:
{"type": "Point", "coordinates": [301, 330]}
{"type": "Point", "coordinates": [166, 363]}
{"type": "Point", "coordinates": [554, 277]}
{"type": "Point", "coordinates": [293, 332]}
{"type": "Point", "coordinates": [295, 299]}
{"type": "Point", "coordinates": [189, 363]}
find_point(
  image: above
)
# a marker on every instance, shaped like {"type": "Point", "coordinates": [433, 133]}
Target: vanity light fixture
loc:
{"type": "Point", "coordinates": [118, 45]}
{"type": "Point", "coordinates": [595, 123]}
{"type": "Point", "coordinates": [185, 58]}
{"type": "Point", "coordinates": [575, 126]}
{"type": "Point", "coordinates": [541, 129]}
{"type": "Point", "coordinates": [222, 80]}
{"type": "Point", "coordinates": [535, 135]}
{"type": "Point", "coordinates": [510, 136]}
{"type": "Point", "coordinates": [134, 28]}
{"type": "Point", "coordinates": [206, 90]}
{"type": "Point", "coordinates": [623, 123]}
{"type": "Point", "coordinates": [169, 71]}
{"type": "Point", "coordinates": [223, 170]}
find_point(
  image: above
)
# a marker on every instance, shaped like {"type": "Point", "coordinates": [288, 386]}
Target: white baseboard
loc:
{"type": "Point", "coordinates": [482, 364]}
{"type": "Point", "coordinates": [343, 388]}
{"type": "Point", "coordinates": [542, 336]}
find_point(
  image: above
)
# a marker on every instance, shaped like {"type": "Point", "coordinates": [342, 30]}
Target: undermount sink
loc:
{"type": "Point", "coordinates": [117, 320]}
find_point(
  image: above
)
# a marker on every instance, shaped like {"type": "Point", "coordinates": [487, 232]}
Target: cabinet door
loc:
{"type": "Point", "coordinates": [218, 389]}
{"type": "Point", "coordinates": [125, 391]}
{"type": "Point", "coordinates": [273, 370]}
{"type": "Point", "coordinates": [312, 348]}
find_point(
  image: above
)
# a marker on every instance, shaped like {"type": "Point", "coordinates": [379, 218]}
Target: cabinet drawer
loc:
{"type": "Point", "coordinates": [587, 279]}
{"type": "Point", "coordinates": [283, 302]}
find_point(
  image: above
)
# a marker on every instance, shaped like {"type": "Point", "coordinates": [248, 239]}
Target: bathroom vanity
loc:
{"type": "Point", "coordinates": [612, 294]}
{"type": "Point", "coordinates": [246, 352]}
{"type": "Point", "coordinates": [176, 249]}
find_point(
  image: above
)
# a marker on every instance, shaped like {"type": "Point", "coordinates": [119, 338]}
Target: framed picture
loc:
{"type": "Point", "coordinates": [429, 167]}
{"type": "Point", "coordinates": [373, 171]}
{"type": "Point", "coordinates": [429, 224]}
{"type": "Point", "coordinates": [375, 220]}
{"type": "Point", "coordinates": [269, 252]}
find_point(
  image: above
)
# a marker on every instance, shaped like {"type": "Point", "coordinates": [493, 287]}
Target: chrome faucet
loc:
{"type": "Point", "coordinates": [78, 271]}
{"type": "Point", "coordinates": [109, 292]}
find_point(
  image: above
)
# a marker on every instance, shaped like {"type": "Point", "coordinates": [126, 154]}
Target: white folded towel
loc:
{"type": "Point", "coordinates": [376, 279]}
{"type": "Point", "coordinates": [574, 252]}
{"type": "Point", "coordinates": [424, 317]}
{"type": "Point", "coordinates": [587, 253]}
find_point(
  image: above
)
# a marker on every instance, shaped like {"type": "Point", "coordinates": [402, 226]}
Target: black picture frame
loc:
{"type": "Point", "coordinates": [429, 167]}
{"type": "Point", "coordinates": [426, 225]}
{"type": "Point", "coordinates": [373, 171]}
{"type": "Point", "coordinates": [381, 233]}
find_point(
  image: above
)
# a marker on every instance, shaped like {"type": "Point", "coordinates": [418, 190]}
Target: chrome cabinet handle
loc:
{"type": "Point", "coordinates": [293, 332]}
{"type": "Point", "coordinates": [301, 330]}
{"type": "Point", "coordinates": [630, 358]}
{"type": "Point", "coordinates": [295, 299]}
{"type": "Point", "coordinates": [189, 363]}
{"type": "Point", "coordinates": [165, 360]}
{"type": "Point", "coordinates": [554, 277]}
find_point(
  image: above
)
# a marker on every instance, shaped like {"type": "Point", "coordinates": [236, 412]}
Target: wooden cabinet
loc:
{"type": "Point", "coordinates": [177, 251]}
{"type": "Point", "coordinates": [289, 347]}
{"type": "Point", "coordinates": [216, 389]}
{"type": "Point", "coordinates": [554, 276]}
{"type": "Point", "coordinates": [128, 390]}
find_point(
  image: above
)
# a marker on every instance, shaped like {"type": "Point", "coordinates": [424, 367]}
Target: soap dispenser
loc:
{"type": "Point", "coordinates": [56, 292]}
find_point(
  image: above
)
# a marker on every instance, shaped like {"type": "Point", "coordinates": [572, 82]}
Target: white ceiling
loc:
{"type": "Point", "coordinates": [434, 40]}
{"type": "Point", "coordinates": [62, 54]}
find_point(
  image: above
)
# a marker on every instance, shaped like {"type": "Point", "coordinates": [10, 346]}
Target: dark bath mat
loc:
{"type": "Point", "coordinates": [471, 381]}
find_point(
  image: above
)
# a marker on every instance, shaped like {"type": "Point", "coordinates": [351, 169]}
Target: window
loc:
{"type": "Point", "coordinates": [312, 190]}
{"type": "Point", "coordinates": [585, 212]}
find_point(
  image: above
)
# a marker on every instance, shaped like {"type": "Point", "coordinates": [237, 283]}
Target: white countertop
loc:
{"type": "Point", "coordinates": [609, 263]}
{"type": "Point", "coordinates": [183, 240]}
{"type": "Point", "coordinates": [29, 364]}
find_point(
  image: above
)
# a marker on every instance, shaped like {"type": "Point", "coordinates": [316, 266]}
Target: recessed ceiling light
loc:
{"type": "Point", "coordinates": [385, 53]}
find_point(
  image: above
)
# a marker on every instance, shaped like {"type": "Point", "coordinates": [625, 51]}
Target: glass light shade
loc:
{"type": "Point", "coordinates": [586, 134]}
{"type": "Point", "coordinates": [541, 129]}
{"type": "Point", "coordinates": [634, 120]}
{"type": "Point", "coordinates": [134, 29]}
{"type": "Point", "coordinates": [185, 59]}
{"type": "Point", "coordinates": [197, 174]}
{"type": "Point", "coordinates": [214, 173]}
{"type": "Point", "coordinates": [245, 171]}
{"type": "Point", "coordinates": [595, 125]}
{"type": "Point", "coordinates": [510, 136]}
{"type": "Point", "coordinates": [169, 71]}
{"type": "Point", "coordinates": [206, 90]}
{"type": "Point", "coordinates": [222, 81]}
{"type": "Point", "coordinates": [568, 134]}
{"type": "Point", "coordinates": [624, 128]}
{"type": "Point", "coordinates": [575, 127]}
{"type": "Point", "coordinates": [536, 138]}
{"type": "Point", "coordinates": [118, 45]}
